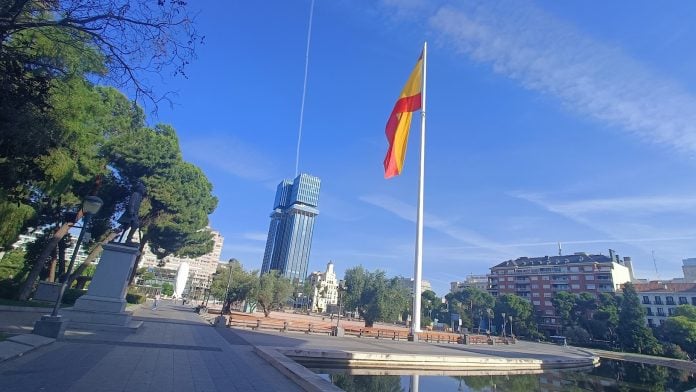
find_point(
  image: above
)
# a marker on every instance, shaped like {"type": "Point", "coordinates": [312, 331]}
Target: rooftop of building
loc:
{"type": "Point", "coordinates": [555, 260]}
{"type": "Point", "coordinates": [666, 287]}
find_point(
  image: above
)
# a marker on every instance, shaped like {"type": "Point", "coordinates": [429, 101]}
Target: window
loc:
{"type": "Point", "coordinates": [534, 278]}
{"type": "Point", "coordinates": [590, 287]}
{"type": "Point", "coordinates": [574, 269]}
{"type": "Point", "coordinates": [548, 312]}
{"type": "Point", "coordinates": [545, 277]}
{"type": "Point", "coordinates": [575, 286]}
{"type": "Point", "coordinates": [669, 300]}
{"type": "Point", "coordinates": [574, 277]}
{"type": "Point", "coordinates": [658, 300]}
{"type": "Point", "coordinates": [693, 301]}
{"type": "Point", "coordinates": [535, 294]}
{"type": "Point", "coordinates": [510, 278]}
{"type": "Point", "coordinates": [646, 299]}
{"type": "Point", "coordinates": [537, 303]}
{"type": "Point", "coordinates": [589, 277]}
{"type": "Point", "coordinates": [535, 286]}
{"type": "Point", "coordinates": [660, 312]}
{"type": "Point", "coordinates": [662, 322]}
{"type": "Point", "coordinates": [670, 311]}
{"type": "Point", "coordinates": [682, 301]}
{"type": "Point", "coordinates": [547, 286]}
{"type": "Point", "coordinates": [548, 303]}
{"type": "Point", "coordinates": [547, 295]}
{"type": "Point", "coordinates": [651, 323]}
{"type": "Point", "coordinates": [649, 309]}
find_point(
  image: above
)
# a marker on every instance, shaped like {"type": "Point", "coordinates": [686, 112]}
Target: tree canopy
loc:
{"type": "Point", "coordinates": [375, 297]}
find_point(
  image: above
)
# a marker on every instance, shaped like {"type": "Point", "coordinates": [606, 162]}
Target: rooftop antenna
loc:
{"type": "Point", "coordinates": [560, 251]}
{"type": "Point", "coordinates": [304, 89]}
{"type": "Point", "coordinates": [655, 264]}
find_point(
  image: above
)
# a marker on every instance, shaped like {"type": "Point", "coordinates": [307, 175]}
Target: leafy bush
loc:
{"type": "Point", "coordinates": [133, 298]}
{"type": "Point", "coordinates": [672, 350]}
{"type": "Point", "coordinates": [9, 288]}
{"type": "Point", "coordinates": [71, 295]}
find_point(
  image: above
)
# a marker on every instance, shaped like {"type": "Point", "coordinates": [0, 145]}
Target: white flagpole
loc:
{"type": "Point", "coordinates": [415, 326]}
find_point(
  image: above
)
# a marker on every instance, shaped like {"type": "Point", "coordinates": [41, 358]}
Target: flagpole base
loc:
{"type": "Point", "coordinates": [412, 337]}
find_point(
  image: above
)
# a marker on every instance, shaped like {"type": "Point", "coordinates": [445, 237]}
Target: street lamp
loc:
{"type": "Point", "coordinates": [511, 334]}
{"type": "Point", "coordinates": [228, 304]}
{"type": "Point", "coordinates": [90, 206]}
{"type": "Point", "coordinates": [341, 287]}
{"type": "Point", "coordinates": [503, 314]}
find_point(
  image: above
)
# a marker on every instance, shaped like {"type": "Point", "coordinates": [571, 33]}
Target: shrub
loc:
{"type": "Point", "coordinates": [8, 288]}
{"type": "Point", "coordinates": [71, 295]}
{"type": "Point", "coordinates": [672, 350]}
{"type": "Point", "coordinates": [133, 298]}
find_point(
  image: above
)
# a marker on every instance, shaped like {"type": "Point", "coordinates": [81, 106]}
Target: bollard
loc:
{"type": "Point", "coordinates": [378, 334]}
{"type": "Point", "coordinates": [361, 331]}
{"type": "Point", "coordinates": [258, 324]}
{"type": "Point", "coordinates": [285, 326]}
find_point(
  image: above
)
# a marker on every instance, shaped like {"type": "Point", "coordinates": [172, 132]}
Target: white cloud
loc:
{"type": "Point", "coordinates": [255, 236]}
{"type": "Point", "coordinates": [408, 212]}
{"type": "Point", "coordinates": [547, 55]}
{"type": "Point", "coordinates": [230, 155]}
{"type": "Point", "coordinates": [634, 205]}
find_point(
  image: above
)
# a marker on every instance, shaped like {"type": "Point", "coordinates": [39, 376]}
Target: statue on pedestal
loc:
{"type": "Point", "coordinates": [130, 221]}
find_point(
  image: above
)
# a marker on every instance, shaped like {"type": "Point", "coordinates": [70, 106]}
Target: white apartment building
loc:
{"type": "Point", "coordinates": [201, 268]}
{"type": "Point", "coordinates": [477, 281]}
{"type": "Point", "coordinates": [325, 286]}
{"type": "Point", "coordinates": [661, 298]}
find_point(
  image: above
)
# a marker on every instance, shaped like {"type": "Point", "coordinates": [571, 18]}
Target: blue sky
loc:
{"type": "Point", "coordinates": [548, 121]}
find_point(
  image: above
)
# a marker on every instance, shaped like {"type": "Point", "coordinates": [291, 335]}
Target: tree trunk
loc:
{"type": "Point", "coordinates": [52, 269]}
{"type": "Point", "coordinates": [61, 260]}
{"type": "Point", "coordinates": [143, 242]}
{"type": "Point", "coordinates": [90, 258]}
{"type": "Point", "coordinates": [38, 264]}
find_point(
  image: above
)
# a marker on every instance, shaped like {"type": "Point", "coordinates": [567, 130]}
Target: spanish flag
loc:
{"type": "Point", "coordinates": [399, 122]}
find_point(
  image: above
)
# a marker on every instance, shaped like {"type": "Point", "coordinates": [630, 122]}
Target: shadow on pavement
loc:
{"type": "Point", "coordinates": [243, 337]}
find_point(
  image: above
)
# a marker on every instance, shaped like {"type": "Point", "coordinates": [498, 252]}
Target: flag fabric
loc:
{"type": "Point", "coordinates": [399, 122]}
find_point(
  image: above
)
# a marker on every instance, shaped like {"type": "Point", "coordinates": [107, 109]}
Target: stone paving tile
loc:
{"type": "Point", "coordinates": [182, 354]}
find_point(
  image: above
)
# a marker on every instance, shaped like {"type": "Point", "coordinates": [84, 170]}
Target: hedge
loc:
{"type": "Point", "coordinates": [133, 298]}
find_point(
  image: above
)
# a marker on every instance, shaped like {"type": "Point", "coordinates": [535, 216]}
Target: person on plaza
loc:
{"type": "Point", "coordinates": [154, 304]}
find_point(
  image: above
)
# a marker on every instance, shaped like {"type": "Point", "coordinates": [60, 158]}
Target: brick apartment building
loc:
{"type": "Point", "coordinates": [538, 279]}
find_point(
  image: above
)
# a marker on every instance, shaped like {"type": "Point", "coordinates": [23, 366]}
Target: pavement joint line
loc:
{"type": "Point", "coordinates": [143, 344]}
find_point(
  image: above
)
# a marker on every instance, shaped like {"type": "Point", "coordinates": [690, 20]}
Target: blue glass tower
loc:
{"type": "Point", "coordinates": [292, 225]}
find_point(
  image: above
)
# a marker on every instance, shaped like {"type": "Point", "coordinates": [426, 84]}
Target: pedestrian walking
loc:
{"type": "Point", "coordinates": [154, 304]}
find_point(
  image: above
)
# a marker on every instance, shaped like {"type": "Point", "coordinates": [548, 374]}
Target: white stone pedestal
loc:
{"type": "Point", "coordinates": [103, 307]}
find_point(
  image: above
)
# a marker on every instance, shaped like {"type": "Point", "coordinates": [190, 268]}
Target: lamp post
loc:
{"type": "Point", "coordinates": [511, 334]}
{"type": "Point", "coordinates": [228, 304]}
{"type": "Point", "coordinates": [341, 286]}
{"type": "Point", "coordinates": [504, 319]}
{"type": "Point", "coordinates": [90, 206]}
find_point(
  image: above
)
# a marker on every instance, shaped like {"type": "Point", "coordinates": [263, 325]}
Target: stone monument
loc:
{"type": "Point", "coordinates": [103, 307]}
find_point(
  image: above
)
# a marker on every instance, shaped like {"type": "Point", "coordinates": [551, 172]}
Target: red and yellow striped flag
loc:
{"type": "Point", "coordinates": [399, 122]}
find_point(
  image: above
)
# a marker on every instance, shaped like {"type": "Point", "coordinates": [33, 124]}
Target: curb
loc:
{"type": "Point", "coordinates": [28, 309]}
{"type": "Point", "coordinates": [16, 346]}
{"type": "Point", "coordinates": [306, 379]}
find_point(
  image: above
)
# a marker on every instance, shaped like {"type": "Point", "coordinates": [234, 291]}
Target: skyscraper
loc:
{"type": "Point", "coordinates": [292, 225]}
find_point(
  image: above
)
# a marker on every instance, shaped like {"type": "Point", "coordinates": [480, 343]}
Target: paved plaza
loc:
{"type": "Point", "coordinates": [177, 350]}
{"type": "Point", "coordinates": [174, 350]}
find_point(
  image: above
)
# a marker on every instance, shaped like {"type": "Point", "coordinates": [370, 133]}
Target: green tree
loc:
{"type": "Point", "coordinates": [134, 38]}
{"type": "Point", "coordinates": [564, 304]}
{"type": "Point", "coordinates": [273, 291]}
{"type": "Point", "coordinates": [242, 284]}
{"type": "Point", "coordinates": [167, 289]}
{"type": "Point", "coordinates": [375, 297]}
{"type": "Point", "coordinates": [471, 304]}
{"type": "Point", "coordinates": [632, 333]}
{"type": "Point", "coordinates": [523, 320]}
